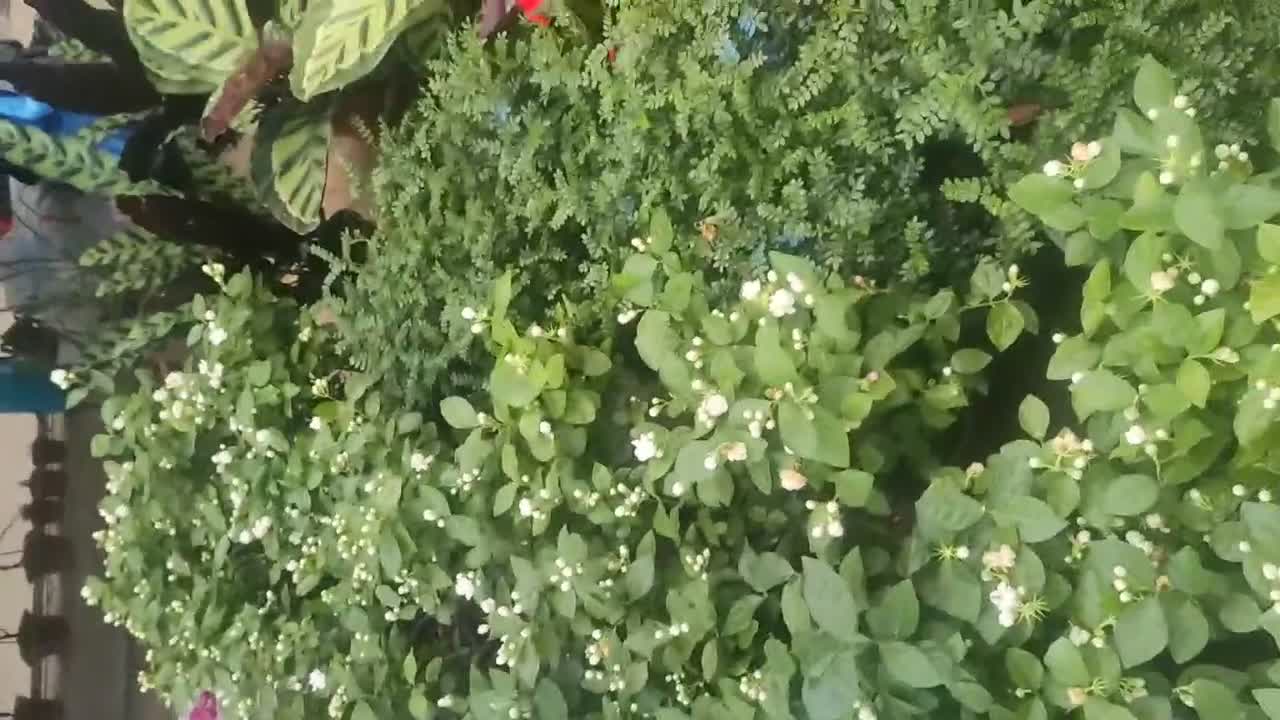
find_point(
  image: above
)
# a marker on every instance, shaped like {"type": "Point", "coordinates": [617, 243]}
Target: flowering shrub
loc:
{"type": "Point", "coordinates": [705, 508]}
{"type": "Point", "coordinates": [874, 142]}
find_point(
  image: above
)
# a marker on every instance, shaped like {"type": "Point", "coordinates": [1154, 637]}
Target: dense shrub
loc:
{"type": "Point", "coordinates": [731, 508]}
{"type": "Point", "coordinates": [835, 130]}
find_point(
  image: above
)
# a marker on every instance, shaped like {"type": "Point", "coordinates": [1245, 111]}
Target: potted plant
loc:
{"type": "Point", "coordinates": [43, 554]}
{"type": "Point", "coordinates": [47, 451]}
{"type": "Point", "coordinates": [43, 511]}
{"type": "Point", "coordinates": [47, 483]}
{"type": "Point", "coordinates": [25, 708]}
{"type": "Point", "coordinates": [38, 636]}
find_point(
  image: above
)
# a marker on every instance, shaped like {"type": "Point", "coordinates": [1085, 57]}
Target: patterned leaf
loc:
{"type": "Point", "coordinates": [290, 162]}
{"type": "Point", "coordinates": [341, 40]}
{"type": "Point", "coordinates": [73, 51]}
{"type": "Point", "coordinates": [214, 180]}
{"type": "Point", "coordinates": [190, 45]}
{"type": "Point", "coordinates": [73, 160]}
{"type": "Point", "coordinates": [134, 260]}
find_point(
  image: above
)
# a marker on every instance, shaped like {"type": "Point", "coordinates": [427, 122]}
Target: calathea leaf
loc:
{"type": "Point", "coordinates": [290, 161]}
{"type": "Point", "coordinates": [340, 41]}
{"type": "Point", "coordinates": [192, 45]}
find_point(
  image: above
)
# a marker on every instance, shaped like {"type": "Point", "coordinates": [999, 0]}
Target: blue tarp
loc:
{"type": "Point", "coordinates": [29, 111]}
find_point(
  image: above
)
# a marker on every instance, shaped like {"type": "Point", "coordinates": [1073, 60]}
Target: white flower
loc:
{"type": "Point", "coordinates": [1001, 559]}
{"type": "Point", "coordinates": [526, 507]}
{"type": "Point", "coordinates": [1095, 149]}
{"type": "Point", "coordinates": [464, 586]}
{"type": "Point", "coordinates": [544, 427]}
{"type": "Point", "coordinates": [261, 527]}
{"type": "Point", "coordinates": [316, 424]}
{"type": "Point", "coordinates": [1078, 184]}
{"type": "Point", "coordinates": [468, 313]}
{"type": "Point", "coordinates": [217, 335]}
{"type": "Point", "coordinates": [645, 447]}
{"type": "Point", "coordinates": [317, 681]}
{"type": "Point", "coordinates": [750, 290]}
{"type": "Point", "coordinates": [715, 405]}
{"type": "Point", "coordinates": [61, 378]}
{"type": "Point", "coordinates": [1181, 102]}
{"type": "Point", "coordinates": [1166, 177]}
{"type": "Point", "coordinates": [420, 462]}
{"type": "Point", "coordinates": [782, 303]}
{"type": "Point", "coordinates": [1079, 636]}
{"type": "Point", "coordinates": [1135, 435]}
{"type": "Point", "coordinates": [710, 461]}
{"type": "Point", "coordinates": [1210, 287]}
{"type": "Point", "coordinates": [1161, 281]}
{"type": "Point", "coordinates": [792, 480]}
{"type": "Point", "coordinates": [735, 452]}
{"type": "Point", "coordinates": [1171, 142]}
{"type": "Point", "coordinates": [1007, 602]}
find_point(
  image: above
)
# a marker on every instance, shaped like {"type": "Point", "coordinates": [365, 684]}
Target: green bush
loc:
{"type": "Point", "coordinates": [874, 139]}
{"type": "Point", "coordinates": [731, 508]}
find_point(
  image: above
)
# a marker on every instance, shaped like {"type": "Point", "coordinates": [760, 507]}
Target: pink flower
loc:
{"type": "Point", "coordinates": [206, 708]}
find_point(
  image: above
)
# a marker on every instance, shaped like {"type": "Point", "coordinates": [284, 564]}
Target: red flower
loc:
{"type": "Point", "coordinates": [612, 55]}
{"type": "Point", "coordinates": [530, 10]}
{"type": "Point", "coordinates": [206, 708]}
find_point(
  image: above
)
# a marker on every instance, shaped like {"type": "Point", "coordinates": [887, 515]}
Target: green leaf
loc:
{"type": "Point", "coordinates": [1198, 215]}
{"type": "Point", "coordinates": [193, 46]}
{"type": "Point", "coordinates": [290, 162]}
{"type": "Point", "coordinates": [1248, 205]}
{"type": "Point", "coordinates": [1103, 169]}
{"type": "Point", "coordinates": [1033, 416]}
{"type": "Point", "coordinates": [639, 577]}
{"type": "Point", "coordinates": [1194, 382]}
{"type": "Point", "coordinates": [1096, 289]}
{"type": "Point", "coordinates": [419, 708]}
{"type": "Point", "coordinates": [829, 694]}
{"type": "Point", "coordinates": [1066, 664]}
{"type": "Point", "coordinates": [853, 487]}
{"type": "Point", "coordinates": [1004, 325]}
{"type": "Point", "coordinates": [1273, 123]}
{"type": "Point", "coordinates": [1040, 194]}
{"type": "Point", "coordinates": [969, 361]}
{"type": "Point", "coordinates": [773, 364]}
{"type": "Point", "coordinates": [1190, 629]}
{"type": "Point", "coordinates": [389, 554]}
{"type": "Point", "coordinates": [1141, 632]}
{"type": "Point", "coordinates": [340, 41]}
{"type": "Point", "coordinates": [661, 232]}
{"type": "Point", "coordinates": [909, 665]}
{"type": "Point", "coordinates": [1024, 668]}
{"type": "Point", "coordinates": [1100, 391]}
{"type": "Point", "coordinates": [944, 509]}
{"type": "Point", "coordinates": [548, 702]}
{"type": "Point", "coordinates": [764, 571]}
{"type": "Point", "coordinates": [1036, 521]}
{"type": "Point", "coordinates": [1130, 494]}
{"type": "Point", "coordinates": [1239, 613]}
{"type": "Point", "coordinates": [459, 413]}
{"type": "Point", "coordinates": [1264, 298]}
{"type": "Point", "coordinates": [1269, 237]}
{"type": "Point", "coordinates": [1269, 698]}
{"type": "Point", "coordinates": [1153, 87]}
{"type": "Point", "coordinates": [829, 599]}
{"type": "Point", "coordinates": [710, 659]}
{"type": "Point", "coordinates": [1096, 709]}
{"type": "Point", "coordinates": [511, 387]}
{"type": "Point", "coordinates": [1215, 701]}
{"type": "Point", "coordinates": [363, 712]}
{"type": "Point", "coordinates": [897, 614]}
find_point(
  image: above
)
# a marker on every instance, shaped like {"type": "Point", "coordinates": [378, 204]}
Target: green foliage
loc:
{"type": "Point", "coordinates": [71, 159]}
{"type": "Point", "coordinates": [190, 47]}
{"type": "Point", "coordinates": [338, 41]}
{"type": "Point", "coordinates": [135, 261]}
{"type": "Point", "coordinates": [696, 498]}
{"type": "Point", "coordinates": [872, 141]}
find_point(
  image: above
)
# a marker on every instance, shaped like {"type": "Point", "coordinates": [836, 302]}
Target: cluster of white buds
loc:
{"type": "Point", "coordinates": [645, 447]}
{"type": "Point", "coordinates": [478, 319]}
{"type": "Point", "coordinates": [696, 563]}
{"type": "Point", "coordinates": [629, 500]}
{"type": "Point", "coordinates": [824, 519]}
{"type": "Point", "coordinates": [1082, 153]}
{"type": "Point", "coordinates": [1272, 575]}
{"type": "Point", "coordinates": [712, 408]}
{"type": "Point", "coordinates": [1228, 153]}
{"type": "Point", "coordinates": [464, 483]}
{"type": "Point", "coordinates": [757, 422]}
{"type": "Point", "coordinates": [564, 575]}
{"type": "Point", "coordinates": [752, 687]}
{"type": "Point", "coordinates": [1121, 584]}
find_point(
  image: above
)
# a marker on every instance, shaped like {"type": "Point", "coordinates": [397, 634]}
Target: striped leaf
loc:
{"type": "Point", "coordinates": [190, 42]}
{"type": "Point", "coordinates": [134, 260]}
{"type": "Point", "coordinates": [339, 41]}
{"type": "Point", "coordinates": [72, 50]}
{"type": "Point", "coordinates": [214, 180]}
{"type": "Point", "coordinates": [290, 161]}
{"type": "Point", "coordinates": [70, 159]}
